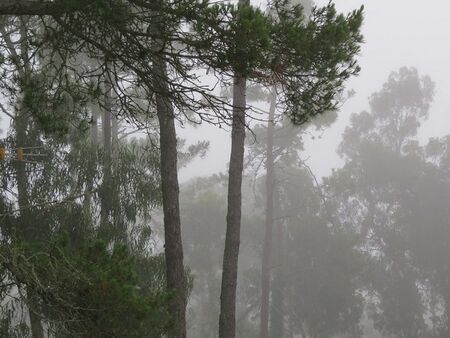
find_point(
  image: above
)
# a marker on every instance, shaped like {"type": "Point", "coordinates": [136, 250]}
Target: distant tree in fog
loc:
{"type": "Point", "coordinates": [383, 196]}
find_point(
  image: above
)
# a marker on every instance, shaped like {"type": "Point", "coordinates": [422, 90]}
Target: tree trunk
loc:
{"type": "Point", "coordinates": [35, 320]}
{"type": "Point", "coordinates": [114, 123]}
{"type": "Point", "coordinates": [115, 133]}
{"type": "Point", "coordinates": [227, 321]}
{"type": "Point", "coordinates": [267, 248]}
{"type": "Point", "coordinates": [87, 201]}
{"type": "Point", "coordinates": [94, 125]}
{"type": "Point", "coordinates": [27, 232]}
{"type": "Point", "coordinates": [170, 190]}
{"type": "Point", "coordinates": [25, 229]}
{"type": "Point", "coordinates": [278, 289]}
{"type": "Point", "coordinates": [107, 152]}
{"type": "Point", "coordinates": [170, 193]}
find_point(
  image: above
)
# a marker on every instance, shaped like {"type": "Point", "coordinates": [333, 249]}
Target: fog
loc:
{"type": "Point", "coordinates": [225, 169]}
{"type": "Point", "coordinates": [396, 33]}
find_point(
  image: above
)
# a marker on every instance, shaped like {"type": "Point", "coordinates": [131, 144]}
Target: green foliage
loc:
{"type": "Point", "coordinates": [312, 59]}
{"type": "Point", "coordinates": [90, 290]}
{"type": "Point", "coordinates": [309, 58]}
{"type": "Point", "coordinates": [193, 151]}
{"type": "Point", "coordinates": [216, 32]}
{"type": "Point", "coordinates": [249, 38]}
{"type": "Point", "coordinates": [56, 110]}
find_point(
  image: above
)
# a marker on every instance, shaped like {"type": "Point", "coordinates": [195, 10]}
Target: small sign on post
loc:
{"type": "Point", "coordinates": [20, 154]}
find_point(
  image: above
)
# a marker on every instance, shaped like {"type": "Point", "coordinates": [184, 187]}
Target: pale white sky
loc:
{"type": "Point", "coordinates": [397, 33]}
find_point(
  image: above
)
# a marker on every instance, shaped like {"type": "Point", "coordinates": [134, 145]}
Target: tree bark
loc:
{"type": "Point", "coordinates": [94, 108]}
{"type": "Point", "coordinates": [26, 232]}
{"type": "Point", "coordinates": [115, 132]}
{"type": "Point", "coordinates": [170, 190]}
{"type": "Point", "coordinates": [107, 183]}
{"type": "Point", "coordinates": [94, 125]}
{"type": "Point", "coordinates": [35, 320]}
{"type": "Point", "coordinates": [170, 193]}
{"type": "Point", "coordinates": [227, 321]}
{"type": "Point", "coordinates": [107, 120]}
{"type": "Point", "coordinates": [277, 307]}
{"type": "Point", "coordinates": [25, 229]}
{"type": "Point", "coordinates": [267, 248]}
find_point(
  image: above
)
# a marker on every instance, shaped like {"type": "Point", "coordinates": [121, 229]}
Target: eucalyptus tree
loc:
{"type": "Point", "coordinates": [384, 168]}
{"type": "Point", "coordinates": [393, 191]}
{"type": "Point", "coordinates": [429, 231]}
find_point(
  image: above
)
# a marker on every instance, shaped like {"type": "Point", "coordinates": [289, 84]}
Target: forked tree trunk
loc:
{"type": "Point", "coordinates": [267, 248]}
{"type": "Point", "coordinates": [227, 321]}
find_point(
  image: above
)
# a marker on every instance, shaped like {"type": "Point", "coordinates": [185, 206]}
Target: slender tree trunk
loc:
{"type": "Point", "coordinates": [94, 148]}
{"type": "Point", "coordinates": [22, 179]}
{"type": "Point", "coordinates": [114, 122]}
{"type": "Point", "coordinates": [115, 132]}
{"type": "Point", "coordinates": [107, 121]}
{"type": "Point", "coordinates": [170, 190]}
{"type": "Point", "coordinates": [277, 306]}
{"type": "Point", "coordinates": [36, 326]}
{"type": "Point", "coordinates": [227, 321]}
{"type": "Point", "coordinates": [94, 125]}
{"type": "Point", "coordinates": [26, 232]}
{"type": "Point", "coordinates": [267, 248]}
{"type": "Point", "coordinates": [107, 152]}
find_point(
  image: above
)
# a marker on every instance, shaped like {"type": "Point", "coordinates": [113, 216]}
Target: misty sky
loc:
{"type": "Point", "coordinates": [397, 33]}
